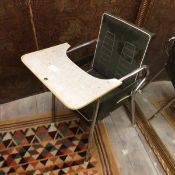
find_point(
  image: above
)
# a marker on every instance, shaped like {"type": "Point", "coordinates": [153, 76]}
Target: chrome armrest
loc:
{"type": "Point", "coordinates": [135, 72]}
{"type": "Point", "coordinates": [82, 45]}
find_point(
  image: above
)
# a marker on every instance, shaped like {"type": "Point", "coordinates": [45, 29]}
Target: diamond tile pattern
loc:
{"type": "Point", "coordinates": [58, 148]}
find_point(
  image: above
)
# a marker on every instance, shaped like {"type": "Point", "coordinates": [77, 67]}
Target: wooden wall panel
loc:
{"type": "Point", "coordinates": [16, 38]}
{"type": "Point", "coordinates": [161, 21]}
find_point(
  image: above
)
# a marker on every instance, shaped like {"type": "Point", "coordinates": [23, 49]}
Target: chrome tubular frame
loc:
{"type": "Point", "coordinates": [135, 72]}
{"type": "Point", "coordinates": [91, 132]}
{"type": "Point", "coordinates": [95, 113]}
{"type": "Point", "coordinates": [53, 109]}
{"type": "Point", "coordinates": [139, 86]}
{"type": "Point", "coordinates": [82, 45]}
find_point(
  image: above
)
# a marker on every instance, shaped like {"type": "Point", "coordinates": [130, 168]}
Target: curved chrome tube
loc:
{"type": "Point", "coordinates": [168, 45]}
{"type": "Point", "coordinates": [135, 72]}
{"type": "Point", "coordinates": [172, 38]}
{"type": "Point", "coordinates": [139, 86]}
{"type": "Point", "coordinates": [82, 45]}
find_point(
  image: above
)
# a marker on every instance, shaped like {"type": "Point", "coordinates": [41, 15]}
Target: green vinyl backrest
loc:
{"type": "Point", "coordinates": [121, 47]}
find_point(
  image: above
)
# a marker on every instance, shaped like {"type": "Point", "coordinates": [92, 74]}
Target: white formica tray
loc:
{"type": "Point", "coordinates": [70, 84]}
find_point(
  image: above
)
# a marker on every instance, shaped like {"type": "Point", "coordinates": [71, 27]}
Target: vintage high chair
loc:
{"type": "Point", "coordinates": [116, 74]}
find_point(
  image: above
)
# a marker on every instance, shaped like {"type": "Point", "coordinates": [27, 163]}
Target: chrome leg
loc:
{"type": "Point", "coordinates": [90, 139]}
{"type": "Point", "coordinates": [53, 108]}
{"type": "Point", "coordinates": [133, 108]}
{"type": "Point", "coordinates": [163, 107]}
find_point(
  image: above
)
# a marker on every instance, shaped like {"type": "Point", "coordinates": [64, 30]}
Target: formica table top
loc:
{"type": "Point", "coordinates": [74, 87]}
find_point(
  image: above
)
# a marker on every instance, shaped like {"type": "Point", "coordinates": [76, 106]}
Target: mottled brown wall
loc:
{"type": "Point", "coordinates": [55, 21]}
{"type": "Point", "coordinates": [160, 19]}
{"type": "Point", "coordinates": [16, 38]}
{"type": "Point", "coordinates": [75, 21]}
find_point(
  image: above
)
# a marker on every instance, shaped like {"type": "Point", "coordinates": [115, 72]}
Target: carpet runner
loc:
{"type": "Point", "coordinates": [35, 146]}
